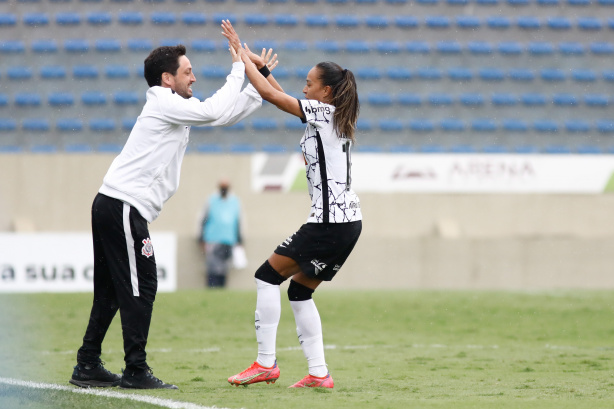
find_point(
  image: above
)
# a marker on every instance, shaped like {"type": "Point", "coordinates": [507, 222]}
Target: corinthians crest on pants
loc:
{"type": "Point", "coordinates": [147, 249]}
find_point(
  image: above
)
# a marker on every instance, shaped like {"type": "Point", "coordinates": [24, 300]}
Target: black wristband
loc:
{"type": "Point", "coordinates": [265, 71]}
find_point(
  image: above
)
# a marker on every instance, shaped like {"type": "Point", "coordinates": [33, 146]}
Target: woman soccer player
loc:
{"type": "Point", "coordinates": [320, 247]}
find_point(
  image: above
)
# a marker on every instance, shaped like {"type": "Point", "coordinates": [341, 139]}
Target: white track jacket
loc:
{"type": "Point", "coordinates": [146, 172]}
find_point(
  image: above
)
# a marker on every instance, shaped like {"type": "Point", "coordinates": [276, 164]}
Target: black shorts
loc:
{"type": "Point", "coordinates": [320, 249]}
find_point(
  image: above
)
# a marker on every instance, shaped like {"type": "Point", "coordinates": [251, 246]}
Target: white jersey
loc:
{"type": "Point", "coordinates": [328, 166]}
{"type": "Point", "coordinates": [146, 172]}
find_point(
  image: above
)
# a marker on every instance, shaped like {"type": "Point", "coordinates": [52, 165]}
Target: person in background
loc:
{"type": "Point", "coordinates": [220, 232]}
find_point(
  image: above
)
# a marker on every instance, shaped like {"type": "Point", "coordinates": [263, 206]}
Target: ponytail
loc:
{"type": "Point", "coordinates": [344, 97]}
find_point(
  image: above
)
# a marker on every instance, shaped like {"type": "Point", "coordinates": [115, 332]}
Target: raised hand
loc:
{"type": "Point", "coordinates": [263, 59]}
{"type": "Point", "coordinates": [229, 32]}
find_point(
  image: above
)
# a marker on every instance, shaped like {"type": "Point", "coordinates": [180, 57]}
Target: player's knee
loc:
{"type": "Point", "coordinates": [268, 274]}
{"type": "Point", "coordinates": [298, 292]}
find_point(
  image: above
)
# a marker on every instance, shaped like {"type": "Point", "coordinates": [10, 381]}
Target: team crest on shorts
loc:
{"type": "Point", "coordinates": [147, 249]}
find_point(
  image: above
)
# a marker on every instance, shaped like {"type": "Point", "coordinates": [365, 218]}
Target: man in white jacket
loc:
{"type": "Point", "coordinates": [140, 180]}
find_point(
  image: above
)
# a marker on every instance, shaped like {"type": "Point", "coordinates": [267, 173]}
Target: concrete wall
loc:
{"type": "Point", "coordinates": [408, 240]}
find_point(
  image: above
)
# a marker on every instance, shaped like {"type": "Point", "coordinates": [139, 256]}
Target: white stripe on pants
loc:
{"type": "Point", "coordinates": [131, 256]}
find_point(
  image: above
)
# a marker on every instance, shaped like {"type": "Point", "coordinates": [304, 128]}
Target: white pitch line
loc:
{"type": "Point", "coordinates": [165, 403]}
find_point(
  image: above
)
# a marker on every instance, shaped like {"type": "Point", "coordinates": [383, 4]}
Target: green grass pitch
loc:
{"type": "Point", "coordinates": [385, 349]}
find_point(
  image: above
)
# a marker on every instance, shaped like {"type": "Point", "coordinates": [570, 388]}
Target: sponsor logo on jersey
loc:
{"type": "Point", "coordinates": [147, 249]}
{"type": "Point", "coordinates": [354, 205]}
{"type": "Point", "coordinates": [318, 265]}
{"type": "Point", "coordinates": [314, 110]}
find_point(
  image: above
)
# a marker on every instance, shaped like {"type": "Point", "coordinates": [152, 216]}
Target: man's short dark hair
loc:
{"type": "Point", "coordinates": [162, 59]}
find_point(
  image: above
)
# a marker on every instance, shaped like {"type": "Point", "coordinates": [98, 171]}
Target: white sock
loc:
{"type": "Point", "coordinates": [309, 330]}
{"type": "Point", "coordinates": [268, 311]}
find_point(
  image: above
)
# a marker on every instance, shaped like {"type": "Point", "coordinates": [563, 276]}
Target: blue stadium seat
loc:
{"type": "Point", "coordinates": [564, 99]}
{"type": "Point", "coordinates": [584, 75]}
{"type": "Point", "coordinates": [27, 99]}
{"type": "Point", "coordinates": [421, 125]}
{"type": "Point", "coordinates": [10, 148]}
{"type": "Point", "coordinates": [68, 19]}
{"type": "Point", "coordinates": [409, 99]}
{"type": "Point", "coordinates": [163, 18]}
{"type": "Point", "coordinates": [401, 149]}
{"type": "Point", "coordinates": [368, 73]}
{"type": "Point", "coordinates": [398, 73]}
{"type": "Point", "coordinates": [577, 125]}
{"type": "Point", "coordinates": [571, 48]}
{"type": "Point", "coordinates": [597, 100]}
{"type": "Point", "coordinates": [44, 148]}
{"type": "Point", "coordinates": [462, 148]}
{"type": "Point", "coordinates": [209, 148]}
{"type": "Point", "coordinates": [448, 47]}
{"type": "Point", "coordinates": [418, 47]}
{"type": "Point", "coordinates": [328, 46]}
{"type": "Point", "coordinates": [35, 124]}
{"type": "Point", "coordinates": [273, 148]}
{"type": "Point", "coordinates": [457, 2]}
{"type": "Point", "coordinates": [608, 75]}
{"type": "Point", "coordinates": [19, 73]}
{"type": "Point", "coordinates": [7, 19]}
{"type": "Point", "coordinates": [215, 71]}
{"type": "Point", "coordinates": [4, 100]}
{"type": "Point", "coordinates": [316, 20]}
{"type": "Point", "coordinates": [480, 47]}
{"type": "Point", "coordinates": [581, 3]}
{"type": "Point", "coordinates": [406, 21]}
{"type": "Point", "coordinates": [491, 74]}
{"type": "Point", "coordinates": [498, 22]}
{"type": "Point", "coordinates": [390, 125]}
{"type": "Point", "coordinates": [429, 73]}
{"type": "Point", "coordinates": [548, 2]}
{"type": "Point", "coordinates": [540, 48]}
{"type": "Point", "coordinates": [514, 125]}
{"type": "Point", "coordinates": [174, 41]}
{"type": "Point", "coordinates": [440, 99]}
{"type": "Point", "coordinates": [102, 124]}
{"type": "Point", "coordinates": [193, 19]}
{"type": "Point", "coordinates": [52, 72]}
{"type": "Point", "coordinates": [44, 46]}
{"type": "Point", "coordinates": [377, 21]}
{"type": "Point", "coordinates": [557, 149]}
{"type": "Point", "coordinates": [589, 150]}
{"type": "Point", "coordinates": [460, 74]}
{"type": "Point", "coordinates": [469, 22]}
{"type": "Point", "coordinates": [242, 147]}
{"type": "Point", "coordinates": [483, 125]}
{"type": "Point", "coordinates": [61, 99]}
{"type": "Point", "coordinates": [431, 148]}
{"type": "Point", "coordinates": [438, 22]}
{"type": "Point", "coordinates": [605, 125]}
{"type": "Point", "coordinates": [528, 23]}
{"type": "Point", "coordinates": [282, 72]}
{"type": "Point", "coordinates": [99, 18]}
{"type": "Point", "coordinates": [525, 149]}
{"type": "Point", "coordinates": [7, 124]}
{"type": "Point", "coordinates": [85, 71]}
{"type": "Point", "coordinates": [296, 45]}
{"type": "Point", "coordinates": [264, 124]}
{"type": "Point", "coordinates": [126, 98]}
{"type": "Point", "coordinates": [533, 99]}
{"type": "Point", "coordinates": [301, 72]}
{"type": "Point", "coordinates": [545, 125]}
{"type": "Point", "coordinates": [69, 125]}
{"type": "Point", "coordinates": [521, 74]}
{"type": "Point", "coordinates": [452, 125]}
{"type": "Point", "coordinates": [128, 123]}
{"type": "Point", "coordinates": [93, 98]}
{"type": "Point", "coordinates": [257, 19]}
{"type": "Point", "coordinates": [494, 149]}
{"type": "Point", "coordinates": [605, 2]}
{"type": "Point", "coordinates": [379, 99]}
{"type": "Point", "coordinates": [518, 2]}
{"type": "Point", "coordinates": [130, 18]}
{"type": "Point", "coordinates": [487, 2]}
{"type": "Point", "coordinates": [78, 147]}
{"type": "Point", "coordinates": [285, 20]}
{"type": "Point", "coordinates": [204, 45]}
{"type": "Point", "coordinates": [504, 99]}
{"type": "Point", "coordinates": [35, 19]}
{"type": "Point", "coordinates": [601, 48]}
{"type": "Point", "coordinates": [552, 75]}
{"type": "Point", "coordinates": [347, 21]}
{"type": "Point", "coordinates": [558, 23]}
{"type": "Point", "coordinates": [107, 45]}
{"type": "Point", "coordinates": [357, 46]}
{"type": "Point", "coordinates": [388, 47]}
{"type": "Point", "coordinates": [76, 46]}
{"type": "Point", "coordinates": [117, 71]}
{"type": "Point", "coordinates": [361, 125]}
{"type": "Point", "coordinates": [139, 44]}
{"type": "Point", "coordinates": [510, 48]}
{"type": "Point", "coordinates": [12, 47]}
{"type": "Point", "coordinates": [471, 99]}
{"type": "Point", "coordinates": [589, 24]}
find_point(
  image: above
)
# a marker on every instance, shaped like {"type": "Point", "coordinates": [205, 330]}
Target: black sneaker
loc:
{"type": "Point", "coordinates": [86, 376]}
{"type": "Point", "coordinates": [143, 380]}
